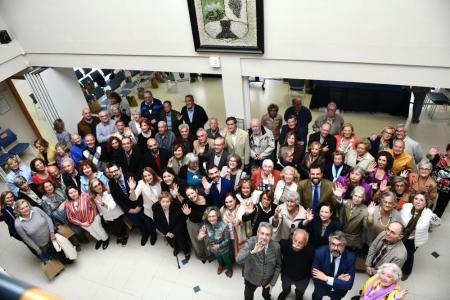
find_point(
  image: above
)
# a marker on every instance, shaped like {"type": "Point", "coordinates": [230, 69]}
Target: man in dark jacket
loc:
{"type": "Point", "coordinates": [326, 140]}
{"type": "Point", "coordinates": [302, 113]}
{"type": "Point", "coordinates": [193, 114]}
{"type": "Point", "coordinates": [171, 117]}
{"type": "Point", "coordinates": [157, 158]}
{"type": "Point", "coordinates": [88, 123]}
{"type": "Point", "coordinates": [130, 159]}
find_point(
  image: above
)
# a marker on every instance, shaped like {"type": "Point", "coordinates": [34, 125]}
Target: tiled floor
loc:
{"type": "Point", "coordinates": [136, 272]}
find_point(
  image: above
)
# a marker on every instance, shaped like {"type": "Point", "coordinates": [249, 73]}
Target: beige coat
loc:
{"type": "Point", "coordinates": [241, 147]}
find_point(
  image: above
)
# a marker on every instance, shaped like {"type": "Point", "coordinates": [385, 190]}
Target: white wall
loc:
{"type": "Point", "coordinates": [11, 56]}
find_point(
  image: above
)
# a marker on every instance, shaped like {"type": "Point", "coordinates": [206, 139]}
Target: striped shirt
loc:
{"type": "Point", "coordinates": [85, 212]}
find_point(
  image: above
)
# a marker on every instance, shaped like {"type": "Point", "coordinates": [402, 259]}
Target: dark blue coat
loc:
{"type": "Point", "coordinates": [226, 186]}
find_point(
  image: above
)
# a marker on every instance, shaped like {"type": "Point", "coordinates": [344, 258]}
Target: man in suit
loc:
{"type": "Point", "coordinates": [387, 248]}
{"type": "Point", "coordinates": [157, 158]}
{"type": "Point", "coordinates": [333, 269]}
{"type": "Point", "coordinates": [130, 159]}
{"type": "Point", "coordinates": [217, 156]}
{"type": "Point", "coordinates": [193, 114]}
{"type": "Point", "coordinates": [70, 175]}
{"type": "Point", "coordinates": [216, 187]}
{"type": "Point", "coordinates": [326, 140]}
{"type": "Point", "coordinates": [185, 138]}
{"type": "Point", "coordinates": [262, 262]}
{"type": "Point", "coordinates": [315, 190]}
{"type": "Point", "coordinates": [302, 114]}
{"type": "Point", "coordinates": [171, 117]}
{"type": "Point", "coordinates": [237, 141]}
{"type": "Point", "coordinates": [202, 144]}
{"type": "Point", "coordinates": [331, 117]}
{"type": "Point", "coordinates": [337, 168]}
{"type": "Point", "coordinates": [121, 185]}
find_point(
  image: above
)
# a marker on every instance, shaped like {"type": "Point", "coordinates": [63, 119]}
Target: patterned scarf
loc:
{"type": "Point", "coordinates": [95, 158]}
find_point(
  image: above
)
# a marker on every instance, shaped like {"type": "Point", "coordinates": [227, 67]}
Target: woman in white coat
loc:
{"type": "Point", "coordinates": [288, 182]}
{"type": "Point", "coordinates": [149, 187]}
{"type": "Point", "coordinates": [417, 219]}
{"type": "Point", "coordinates": [287, 217]}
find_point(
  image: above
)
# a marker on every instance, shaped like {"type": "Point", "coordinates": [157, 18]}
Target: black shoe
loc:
{"type": "Point", "coordinates": [124, 240]}
{"type": "Point", "coordinates": [405, 277]}
{"type": "Point", "coordinates": [283, 295]}
{"type": "Point", "coordinates": [78, 248]}
{"type": "Point", "coordinates": [187, 256]}
{"type": "Point", "coordinates": [119, 241]}
{"type": "Point", "coordinates": [153, 239]}
{"type": "Point", "coordinates": [144, 240]}
{"type": "Point", "coordinates": [97, 245]}
{"type": "Point", "coordinates": [105, 244]}
{"type": "Point", "coordinates": [203, 261]}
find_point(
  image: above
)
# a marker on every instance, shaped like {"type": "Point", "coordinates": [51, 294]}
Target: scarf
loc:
{"type": "Point", "coordinates": [95, 158]}
{"type": "Point", "coordinates": [411, 226]}
{"type": "Point", "coordinates": [379, 293]}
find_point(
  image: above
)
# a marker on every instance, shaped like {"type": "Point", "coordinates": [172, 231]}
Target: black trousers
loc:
{"type": "Point", "coordinates": [117, 227]}
{"type": "Point", "coordinates": [441, 204]}
{"type": "Point", "coordinates": [250, 291]}
{"type": "Point", "coordinates": [143, 222]}
{"type": "Point", "coordinates": [410, 249]}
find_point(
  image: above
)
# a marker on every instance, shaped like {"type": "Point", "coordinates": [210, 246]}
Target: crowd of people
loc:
{"type": "Point", "coordinates": [275, 198]}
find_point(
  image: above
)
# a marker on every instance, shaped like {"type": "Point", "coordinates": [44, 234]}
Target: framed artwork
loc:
{"type": "Point", "coordinates": [227, 25]}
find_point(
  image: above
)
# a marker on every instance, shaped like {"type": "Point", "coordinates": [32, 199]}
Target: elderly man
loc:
{"type": "Point", "coordinates": [302, 114]}
{"type": "Point", "coordinates": [335, 120]}
{"type": "Point", "coordinates": [15, 169]}
{"type": "Point", "coordinates": [157, 158]}
{"type": "Point", "coordinates": [217, 155]}
{"type": "Point", "coordinates": [165, 137]}
{"type": "Point", "coordinates": [300, 133]}
{"type": "Point", "coordinates": [186, 138]}
{"type": "Point", "coordinates": [88, 123]}
{"type": "Point", "coordinates": [261, 258]}
{"type": "Point", "coordinates": [57, 177]}
{"type": "Point", "coordinates": [213, 131]}
{"type": "Point", "coordinates": [151, 108]}
{"type": "Point", "coordinates": [105, 128]}
{"type": "Point", "coordinates": [70, 175]}
{"type": "Point", "coordinates": [333, 269]}
{"type": "Point", "coordinates": [216, 187]}
{"type": "Point", "coordinates": [315, 190]}
{"type": "Point", "coordinates": [326, 140]}
{"type": "Point", "coordinates": [237, 141]}
{"type": "Point", "coordinates": [266, 177]}
{"type": "Point", "coordinates": [273, 121]}
{"type": "Point", "coordinates": [402, 160]}
{"type": "Point", "coordinates": [95, 153]}
{"type": "Point", "coordinates": [202, 144]}
{"type": "Point", "coordinates": [296, 262]}
{"type": "Point", "coordinates": [412, 147]}
{"type": "Point", "coordinates": [193, 114]}
{"type": "Point", "coordinates": [262, 143]}
{"type": "Point", "coordinates": [76, 151]}
{"type": "Point", "coordinates": [171, 117]}
{"type": "Point", "coordinates": [123, 131]}
{"type": "Point", "coordinates": [387, 248]}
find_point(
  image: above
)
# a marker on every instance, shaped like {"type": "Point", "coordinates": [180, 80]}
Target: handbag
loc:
{"type": "Point", "coordinates": [65, 231]}
{"type": "Point", "coordinates": [66, 246]}
{"type": "Point", "coordinates": [52, 268]}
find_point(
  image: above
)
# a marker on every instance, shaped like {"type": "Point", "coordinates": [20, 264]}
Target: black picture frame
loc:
{"type": "Point", "coordinates": [204, 37]}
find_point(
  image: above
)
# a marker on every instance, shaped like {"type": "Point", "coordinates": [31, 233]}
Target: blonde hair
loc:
{"type": "Point", "coordinates": [294, 173]}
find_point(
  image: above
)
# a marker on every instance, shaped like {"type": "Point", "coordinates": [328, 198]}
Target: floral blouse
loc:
{"type": "Point", "coordinates": [441, 174]}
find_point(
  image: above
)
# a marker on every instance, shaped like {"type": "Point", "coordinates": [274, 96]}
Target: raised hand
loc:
{"type": "Point", "coordinates": [371, 208]}
{"type": "Point", "coordinates": [338, 189]}
{"type": "Point", "coordinates": [404, 173]}
{"type": "Point", "coordinates": [258, 247]}
{"type": "Point", "coordinates": [202, 233]}
{"type": "Point", "coordinates": [278, 211]}
{"type": "Point", "coordinates": [309, 214]}
{"type": "Point", "coordinates": [372, 167]}
{"type": "Point", "coordinates": [170, 163]}
{"type": "Point", "coordinates": [383, 186]}
{"type": "Point", "coordinates": [179, 117]}
{"type": "Point", "coordinates": [174, 189]}
{"type": "Point", "coordinates": [131, 183]}
{"type": "Point", "coordinates": [206, 185]}
{"type": "Point", "coordinates": [186, 209]}
{"type": "Point", "coordinates": [249, 208]}
{"type": "Point", "coordinates": [271, 180]}
{"type": "Point", "coordinates": [401, 293]}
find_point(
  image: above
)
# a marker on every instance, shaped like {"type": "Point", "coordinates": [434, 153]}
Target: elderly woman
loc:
{"type": "Point", "coordinates": [360, 156]}
{"type": "Point", "coordinates": [134, 123]}
{"type": "Point", "coordinates": [286, 158]}
{"type": "Point", "coordinates": [144, 135]}
{"type": "Point", "coordinates": [399, 186]}
{"type": "Point", "coordinates": [40, 174]}
{"type": "Point", "coordinates": [320, 227]}
{"type": "Point", "coordinates": [46, 152]}
{"type": "Point", "coordinates": [441, 174]}
{"type": "Point", "coordinates": [82, 211]}
{"type": "Point", "coordinates": [379, 172]}
{"type": "Point", "coordinates": [287, 217]}
{"type": "Point", "coordinates": [312, 157]}
{"type": "Point", "coordinates": [422, 181]}
{"type": "Point", "coordinates": [287, 183]}
{"type": "Point", "coordinates": [111, 213]}
{"type": "Point", "coordinates": [192, 172]}
{"type": "Point", "coordinates": [353, 179]}
{"type": "Point", "coordinates": [233, 170]}
{"type": "Point", "coordinates": [173, 185]}
{"type": "Point", "coordinates": [273, 121]}
{"type": "Point", "coordinates": [382, 215]}
{"type": "Point", "coordinates": [298, 151]}
{"type": "Point", "coordinates": [171, 222]}
{"type": "Point", "coordinates": [232, 212]}
{"type": "Point", "coordinates": [88, 171]}
{"type": "Point", "coordinates": [417, 219]}
{"type": "Point", "coordinates": [34, 227]}
{"type": "Point", "coordinates": [149, 187]}
{"type": "Point", "coordinates": [178, 158]}
{"type": "Point", "coordinates": [347, 139]}
{"type": "Point", "coordinates": [53, 202]}
{"type": "Point", "coordinates": [28, 192]}
{"type": "Point", "coordinates": [117, 115]}
{"type": "Point", "coordinates": [265, 178]}
{"type": "Point", "coordinates": [217, 236]}
{"type": "Point", "coordinates": [384, 285]}
{"type": "Point", "coordinates": [194, 207]}
{"type": "Point", "coordinates": [260, 212]}
{"type": "Point", "coordinates": [353, 216]}
{"type": "Point", "coordinates": [246, 193]}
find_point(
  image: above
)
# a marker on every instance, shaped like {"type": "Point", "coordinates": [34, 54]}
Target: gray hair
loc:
{"type": "Point", "coordinates": [19, 180]}
{"type": "Point", "coordinates": [338, 235]}
{"type": "Point", "coordinates": [292, 195]}
{"type": "Point", "coordinates": [183, 125]}
{"type": "Point", "coordinates": [359, 190]}
{"type": "Point", "coordinates": [397, 272]}
{"type": "Point", "coordinates": [359, 170]}
{"type": "Point", "coordinates": [115, 106]}
{"type": "Point", "coordinates": [284, 151]}
{"type": "Point", "coordinates": [303, 231]}
{"type": "Point", "coordinates": [265, 225]}
{"type": "Point", "coordinates": [103, 112]}
{"type": "Point", "coordinates": [389, 194]}
{"type": "Point", "coordinates": [210, 209]}
{"type": "Point", "coordinates": [398, 179]}
{"type": "Point", "coordinates": [201, 130]}
{"type": "Point", "coordinates": [425, 164]}
{"type": "Point", "coordinates": [162, 123]}
{"type": "Point", "coordinates": [267, 163]}
{"type": "Point", "coordinates": [69, 160]}
{"type": "Point", "coordinates": [213, 118]}
{"type": "Point", "coordinates": [190, 158]}
{"type": "Point", "coordinates": [17, 205]}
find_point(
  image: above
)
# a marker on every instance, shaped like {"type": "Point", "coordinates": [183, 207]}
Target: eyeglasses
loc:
{"type": "Point", "coordinates": [427, 169]}
{"type": "Point", "coordinates": [387, 203]}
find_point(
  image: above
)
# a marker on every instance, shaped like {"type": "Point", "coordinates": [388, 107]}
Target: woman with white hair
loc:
{"type": "Point", "coordinates": [192, 171]}
{"type": "Point", "coordinates": [422, 180]}
{"type": "Point", "coordinates": [288, 182]}
{"type": "Point", "coordinates": [384, 285]}
{"type": "Point", "coordinates": [287, 217]}
{"type": "Point", "coordinates": [265, 178]}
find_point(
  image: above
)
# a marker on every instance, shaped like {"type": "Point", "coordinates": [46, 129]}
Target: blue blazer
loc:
{"type": "Point", "coordinates": [322, 262]}
{"type": "Point", "coordinates": [226, 186]}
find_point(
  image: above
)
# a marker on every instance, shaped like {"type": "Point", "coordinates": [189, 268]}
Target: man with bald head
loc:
{"type": "Point", "coordinates": [156, 158]}
{"type": "Point", "coordinates": [88, 123]}
{"type": "Point", "coordinates": [297, 257]}
{"type": "Point", "coordinates": [262, 143]}
{"type": "Point", "coordinates": [402, 160]}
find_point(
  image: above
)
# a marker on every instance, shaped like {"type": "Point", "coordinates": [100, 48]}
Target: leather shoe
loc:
{"type": "Point", "coordinates": [124, 240]}
{"type": "Point", "coordinates": [153, 239]}
{"type": "Point", "coordinates": [187, 256]}
{"type": "Point", "coordinates": [219, 270]}
{"type": "Point", "coordinates": [405, 277]}
{"type": "Point", "coordinates": [144, 240]}
{"type": "Point", "coordinates": [97, 245]}
{"type": "Point", "coordinates": [229, 273]}
{"type": "Point", "coordinates": [105, 244]}
{"type": "Point", "coordinates": [203, 261]}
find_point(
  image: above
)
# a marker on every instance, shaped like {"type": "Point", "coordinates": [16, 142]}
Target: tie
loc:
{"type": "Point", "coordinates": [122, 186]}
{"type": "Point", "coordinates": [381, 252]}
{"type": "Point", "coordinates": [332, 267]}
{"type": "Point", "coordinates": [316, 199]}
{"type": "Point", "coordinates": [350, 213]}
